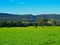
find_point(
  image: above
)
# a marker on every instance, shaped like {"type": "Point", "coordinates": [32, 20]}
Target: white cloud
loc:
{"type": "Point", "coordinates": [21, 3]}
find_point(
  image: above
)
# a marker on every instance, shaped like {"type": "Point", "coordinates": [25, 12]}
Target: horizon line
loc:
{"type": "Point", "coordinates": [31, 14]}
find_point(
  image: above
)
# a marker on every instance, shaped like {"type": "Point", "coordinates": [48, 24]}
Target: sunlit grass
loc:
{"type": "Point", "coordinates": [46, 35]}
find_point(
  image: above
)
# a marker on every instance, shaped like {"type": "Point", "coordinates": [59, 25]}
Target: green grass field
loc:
{"type": "Point", "coordinates": [30, 36]}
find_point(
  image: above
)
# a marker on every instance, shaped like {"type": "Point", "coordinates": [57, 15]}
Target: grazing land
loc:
{"type": "Point", "coordinates": [46, 35]}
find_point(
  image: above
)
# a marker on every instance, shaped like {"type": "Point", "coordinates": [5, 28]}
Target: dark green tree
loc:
{"type": "Point", "coordinates": [10, 23]}
{"type": "Point", "coordinates": [19, 23]}
{"type": "Point", "coordinates": [42, 21]}
{"type": "Point", "coordinates": [3, 23]}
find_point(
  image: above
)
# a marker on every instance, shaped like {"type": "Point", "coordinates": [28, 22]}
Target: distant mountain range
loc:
{"type": "Point", "coordinates": [28, 17]}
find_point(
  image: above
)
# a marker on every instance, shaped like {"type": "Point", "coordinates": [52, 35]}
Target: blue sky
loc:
{"type": "Point", "coordinates": [30, 6]}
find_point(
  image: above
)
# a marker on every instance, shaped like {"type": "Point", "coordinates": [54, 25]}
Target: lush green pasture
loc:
{"type": "Point", "coordinates": [30, 36]}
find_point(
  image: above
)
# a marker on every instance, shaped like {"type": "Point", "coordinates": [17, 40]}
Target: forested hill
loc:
{"type": "Point", "coordinates": [27, 17]}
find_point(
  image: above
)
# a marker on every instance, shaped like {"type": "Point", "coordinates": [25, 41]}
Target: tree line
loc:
{"type": "Point", "coordinates": [40, 22]}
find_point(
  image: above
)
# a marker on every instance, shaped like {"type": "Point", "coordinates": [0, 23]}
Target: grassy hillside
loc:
{"type": "Point", "coordinates": [30, 36]}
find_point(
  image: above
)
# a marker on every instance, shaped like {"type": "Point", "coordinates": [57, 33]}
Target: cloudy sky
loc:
{"type": "Point", "coordinates": [30, 6]}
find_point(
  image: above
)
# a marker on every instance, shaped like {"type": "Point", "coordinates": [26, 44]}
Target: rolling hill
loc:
{"type": "Point", "coordinates": [28, 17]}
